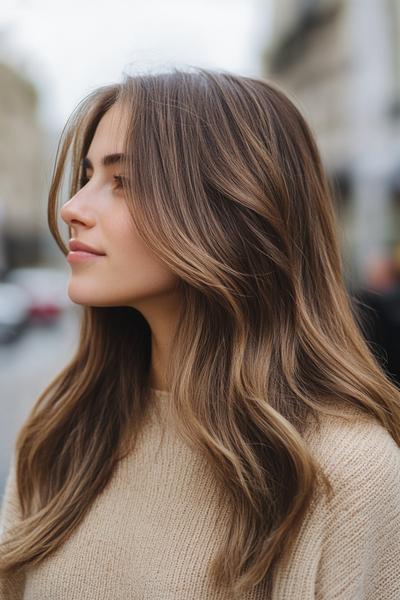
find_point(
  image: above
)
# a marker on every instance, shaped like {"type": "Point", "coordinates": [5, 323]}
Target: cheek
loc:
{"type": "Point", "coordinates": [128, 275]}
{"type": "Point", "coordinates": [139, 271]}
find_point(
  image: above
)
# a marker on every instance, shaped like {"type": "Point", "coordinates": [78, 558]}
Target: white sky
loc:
{"type": "Point", "coordinates": [69, 48]}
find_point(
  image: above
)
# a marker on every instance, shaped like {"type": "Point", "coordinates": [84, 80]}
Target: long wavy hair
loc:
{"type": "Point", "coordinates": [225, 184]}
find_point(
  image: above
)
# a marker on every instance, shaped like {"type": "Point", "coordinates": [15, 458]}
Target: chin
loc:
{"type": "Point", "coordinates": [81, 294]}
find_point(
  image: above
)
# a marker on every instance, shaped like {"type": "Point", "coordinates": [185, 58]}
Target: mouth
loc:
{"type": "Point", "coordinates": [79, 246]}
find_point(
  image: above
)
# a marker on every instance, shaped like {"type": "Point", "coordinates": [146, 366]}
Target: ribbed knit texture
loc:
{"type": "Point", "coordinates": [152, 533]}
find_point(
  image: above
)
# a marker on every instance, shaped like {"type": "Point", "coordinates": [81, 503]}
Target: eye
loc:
{"type": "Point", "coordinates": [120, 181]}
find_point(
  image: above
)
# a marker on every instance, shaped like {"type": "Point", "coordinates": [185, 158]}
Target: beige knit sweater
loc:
{"type": "Point", "coordinates": [152, 533]}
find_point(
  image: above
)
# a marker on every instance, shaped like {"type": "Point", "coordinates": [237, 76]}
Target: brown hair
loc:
{"type": "Point", "coordinates": [226, 186]}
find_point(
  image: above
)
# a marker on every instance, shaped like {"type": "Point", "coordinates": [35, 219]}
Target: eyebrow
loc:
{"type": "Point", "coordinates": [106, 161]}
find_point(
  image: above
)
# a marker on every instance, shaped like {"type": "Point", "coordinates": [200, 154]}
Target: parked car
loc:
{"type": "Point", "coordinates": [46, 288]}
{"type": "Point", "coordinates": [14, 311]}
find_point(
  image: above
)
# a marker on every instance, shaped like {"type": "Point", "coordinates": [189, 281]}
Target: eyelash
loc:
{"type": "Point", "coordinates": [121, 181]}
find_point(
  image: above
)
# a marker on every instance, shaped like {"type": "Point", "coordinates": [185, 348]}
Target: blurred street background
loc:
{"type": "Point", "coordinates": [338, 60]}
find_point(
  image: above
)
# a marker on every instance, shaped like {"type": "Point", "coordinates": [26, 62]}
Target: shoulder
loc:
{"type": "Point", "coordinates": [349, 544]}
{"type": "Point", "coordinates": [360, 457]}
{"type": "Point", "coordinates": [359, 526]}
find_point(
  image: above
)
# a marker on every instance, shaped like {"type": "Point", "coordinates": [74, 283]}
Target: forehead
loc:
{"type": "Point", "coordinates": [110, 134]}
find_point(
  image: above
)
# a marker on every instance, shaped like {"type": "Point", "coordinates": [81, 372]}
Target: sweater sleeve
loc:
{"type": "Point", "coordinates": [360, 549]}
{"type": "Point", "coordinates": [11, 586]}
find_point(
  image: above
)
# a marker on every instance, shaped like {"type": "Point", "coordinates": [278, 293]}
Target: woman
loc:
{"type": "Point", "coordinates": [223, 431]}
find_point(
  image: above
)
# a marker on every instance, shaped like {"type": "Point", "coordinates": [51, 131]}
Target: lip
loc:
{"type": "Point", "coordinates": [80, 256]}
{"type": "Point", "coordinates": [75, 245]}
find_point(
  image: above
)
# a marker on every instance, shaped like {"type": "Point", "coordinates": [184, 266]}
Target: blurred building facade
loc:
{"type": "Point", "coordinates": [339, 61]}
{"type": "Point", "coordinates": [23, 171]}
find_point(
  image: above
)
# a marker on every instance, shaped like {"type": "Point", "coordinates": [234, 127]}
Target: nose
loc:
{"type": "Point", "coordinates": [77, 211]}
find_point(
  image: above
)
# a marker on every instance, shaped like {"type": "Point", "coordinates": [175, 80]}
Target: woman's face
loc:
{"type": "Point", "coordinates": [128, 274]}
